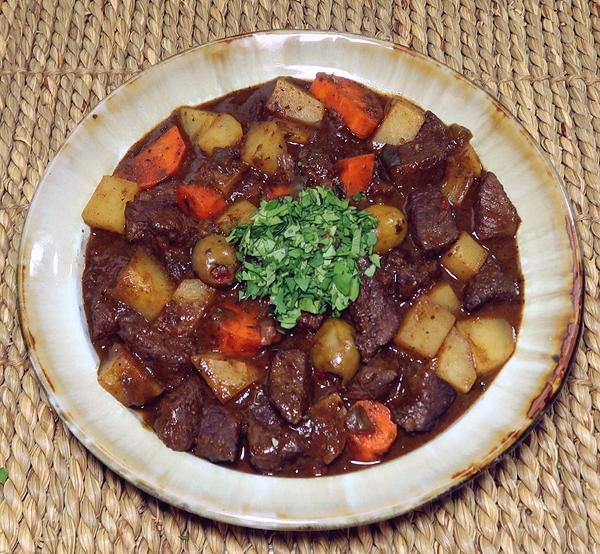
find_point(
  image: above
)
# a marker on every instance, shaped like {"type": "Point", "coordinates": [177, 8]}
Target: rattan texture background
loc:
{"type": "Point", "coordinates": [58, 58]}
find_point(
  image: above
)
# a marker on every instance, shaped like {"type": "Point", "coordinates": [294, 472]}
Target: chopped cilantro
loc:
{"type": "Point", "coordinates": [303, 254]}
{"type": "Point", "coordinates": [3, 475]}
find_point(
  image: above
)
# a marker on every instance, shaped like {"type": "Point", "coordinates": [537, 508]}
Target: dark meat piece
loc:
{"type": "Point", "coordinates": [218, 435]}
{"type": "Point", "coordinates": [404, 274]}
{"type": "Point", "coordinates": [311, 322]}
{"type": "Point", "coordinates": [288, 384]}
{"type": "Point", "coordinates": [314, 163]}
{"type": "Point", "coordinates": [423, 160]}
{"type": "Point", "coordinates": [325, 384]}
{"type": "Point", "coordinates": [427, 399]}
{"type": "Point", "coordinates": [375, 379]}
{"type": "Point", "coordinates": [327, 424]}
{"type": "Point", "coordinates": [489, 285]}
{"type": "Point", "coordinates": [250, 187]}
{"type": "Point", "coordinates": [375, 317]}
{"type": "Point", "coordinates": [431, 219]}
{"type": "Point", "coordinates": [178, 414]}
{"type": "Point", "coordinates": [494, 214]}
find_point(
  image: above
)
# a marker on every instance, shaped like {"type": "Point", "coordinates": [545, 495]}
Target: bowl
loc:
{"type": "Point", "coordinates": [54, 325]}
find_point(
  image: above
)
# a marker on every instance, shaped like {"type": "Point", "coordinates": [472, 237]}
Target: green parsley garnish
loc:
{"type": "Point", "coordinates": [302, 254]}
{"type": "Point", "coordinates": [3, 475]}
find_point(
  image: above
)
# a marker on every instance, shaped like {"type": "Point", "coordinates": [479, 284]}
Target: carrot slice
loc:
{"type": "Point", "coordinates": [278, 191]}
{"type": "Point", "coordinates": [370, 446]}
{"type": "Point", "coordinates": [355, 173]}
{"type": "Point", "coordinates": [157, 161]}
{"type": "Point", "coordinates": [200, 202]}
{"type": "Point", "coordinates": [358, 107]}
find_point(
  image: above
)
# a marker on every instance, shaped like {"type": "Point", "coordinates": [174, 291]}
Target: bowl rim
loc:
{"type": "Point", "coordinates": [560, 371]}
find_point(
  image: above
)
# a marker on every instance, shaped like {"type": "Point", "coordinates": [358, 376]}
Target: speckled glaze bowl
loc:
{"type": "Point", "coordinates": [52, 315]}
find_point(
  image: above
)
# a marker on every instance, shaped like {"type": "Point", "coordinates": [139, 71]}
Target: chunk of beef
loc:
{"type": "Point", "coordinates": [271, 444]}
{"type": "Point", "coordinates": [489, 285]}
{"type": "Point", "coordinates": [375, 315]}
{"type": "Point", "coordinates": [327, 423]}
{"type": "Point", "coordinates": [288, 384]}
{"type": "Point", "coordinates": [315, 163]}
{"type": "Point", "coordinates": [494, 214]}
{"type": "Point", "coordinates": [431, 219]}
{"type": "Point", "coordinates": [405, 274]}
{"type": "Point", "coordinates": [374, 379]}
{"type": "Point", "coordinates": [218, 435]}
{"type": "Point", "coordinates": [310, 322]}
{"type": "Point", "coordinates": [427, 398]}
{"type": "Point", "coordinates": [178, 414]}
{"type": "Point", "coordinates": [423, 160]}
{"type": "Point", "coordinates": [250, 187]}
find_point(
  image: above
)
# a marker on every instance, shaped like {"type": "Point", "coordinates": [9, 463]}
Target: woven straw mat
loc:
{"type": "Point", "coordinates": [58, 58]}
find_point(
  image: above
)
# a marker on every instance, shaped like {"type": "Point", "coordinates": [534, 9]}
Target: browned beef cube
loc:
{"type": "Point", "coordinates": [431, 219]}
{"type": "Point", "coordinates": [405, 275]}
{"type": "Point", "coordinates": [327, 423]}
{"type": "Point", "coordinates": [489, 285]}
{"type": "Point", "coordinates": [495, 216]}
{"type": "Point", "coordinates": [218, 435]}
{"type": "Point", "coordinates": [288, 384]}
{"type": "Point", "coordinates": [376, 378]}
{"type": "Point", "coordinates": [310, 322]}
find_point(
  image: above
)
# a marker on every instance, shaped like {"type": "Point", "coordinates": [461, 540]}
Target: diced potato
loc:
{"type": "Point", "coordinates": [492, 341]}
{"type": "Point", "coordinates": [224, 131]}
{"type": "Point", "coordinates": [193, 291]}
{"type": "Point", "coordinates": [129, 382]}
{"type": "Point", "coordinates": [401, 124]}
{"type": "Point", "coordinates": [106, 208]}
{"type": "Point", "coordinates": [454, 363]}
{"type": "Point", "coordinates": [196, 121]}
{"type": "Point", "coordinates": [444, 295]}
{"type": "Point", "coordinates": [226, 377]}
{"type": "Point", "coordinates": [461, 173]}
{"type": "Point", "coordinates": [291, 101]}
{"type": "Point", "coordinates": [238, 213]}
{"type": "Point", "coordinates": [465, 258]}
{"type": "Point", "coordinates": [424, 328]}
{"type": "Point", "coordinates": [264, 144]}
{"type": "Point", "coordinates": [295, 132]}
{"type": "Point", "coordinates": [144, 285]}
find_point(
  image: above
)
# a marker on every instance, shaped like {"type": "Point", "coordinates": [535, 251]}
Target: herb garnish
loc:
{"type": "Point", "coordinates": [302, 254]}
{"type": "Point", "coordinates": [3, 475]}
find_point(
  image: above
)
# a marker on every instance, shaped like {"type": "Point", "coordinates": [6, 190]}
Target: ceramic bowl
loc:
{"type": "Point", "coordinates": [54, 325]}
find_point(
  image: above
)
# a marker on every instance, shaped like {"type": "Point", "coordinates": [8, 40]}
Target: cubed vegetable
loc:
{"type": "Point", "coordinates": [355, 173]}
{"type": "Point", "coordinates": [238, 213]}
{"type": "Point", "coordinates": [265, 142]}
{"type": "Point", "coordinates": [424, 328]}
{"type": "Point", "coordinates": [126, 379]}
{"type": "Point", "coordinates": [334, 349]}
{"type": "Point", "coordinates": [193, 292]}
{"type": "Point", "coordinates": [106, 208]}
{"type": "Point", "coordinates": [401, 123]}
{"type": "Point", "coordinates": [292, 102]}
{"type": "Point", "coordinates": [492, 341]}
{"type": "Point", "coordinates": [226, 377]}
{"type": "Point", "coordinates": [454, 363]}
{"type": "Point", "coordinates": [196, 121]}
{"type": "Point", "coordinates": [461, 173]}
{"type": "Point", "coordinates": [444, 295]}
{"type": "Point", "coordinates": [200, 202]}
{"type": "Point", "coordinates": [224, 131]}
{"type": "Point", "coordinates": [143, 284]}
{"type": "Point", "coordinates": [295, 132]}
{"type": "Point", "coordinates": [465, 258]}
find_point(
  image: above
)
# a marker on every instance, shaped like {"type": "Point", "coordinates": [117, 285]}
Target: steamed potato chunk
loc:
{"type": "Point", "coordinates": [193, 292]}
{"type": "Point", "coordinates": [465, 258]}
{"type": "Point", "coordinates": [492, 341]}
{"type": "Point", "coordinates": [461, 173]}
{"type": "Point", "coordinates": [224, 131]}
{"type": "Point", "coordinates": [264, 144]}
{"type": "Point", "coordinates": [443, 294]}
{"type": "Point", "coordinates": [144, 285]}
{"type": "Point", "coordinates": [454, 363]}
{"type": "Point", "coordinates": [106, 208]}
{"type": "Point", "coordinates": [424, 328]}
{"type": "Point", "coordinates": [292, 102]}
{"type": "Point", "coordinates": [226, 377]}
{"type": "Point", "coordinates": [240, 212]}
{"type": "Point", "coordinates": [401, 124]}
{"type": "Point", "coordinates": [123, 377]}
{"type": "Point", "coordinates": [195, 122]}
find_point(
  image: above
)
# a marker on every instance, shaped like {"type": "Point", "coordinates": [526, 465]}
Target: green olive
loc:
{"type": "Point", "coordinates": [392, 227]}
{"type": "Point", "coordinates": [214, 261]}
{"type": "Point", "coordinates": [334, 349]}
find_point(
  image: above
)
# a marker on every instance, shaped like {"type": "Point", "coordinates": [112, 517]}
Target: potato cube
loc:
{"type": "Point", "coordinates": [144, 285]}
{"type": "Point", "coordinates": [492, 341]}
{"type": "Point", "coordinates": [424, 328]}
{"type": "Point", "coordinates": [295, 132]}
{"type": "Point", "coordinates": [126, 379]}
{"type": "Point", "coordinates": [401, 124]}
{"type": "Point", "coordinates": [106, 208]}
{"type": "Point", "coordinates": [193, 291]}
{"type": "Point", "coordinates": [196, 121]}
{"type": "Point", "coordinates": [224, 131]}
{"type": "Point", "coordinates": [226, 377]}
{"type": "Point", "coordinates": [461, 173]}
{"type": "Point", "coordinates": [465, 258]}
{"type": "Point", "coordinates": [443, 294]}
{"type": "Point", "coordinates": [291, 101]}
{"type": "Point", "coordinates": [238, 213]}
{"type": "Point", "coordinates": [454, 363]}
{"type": "Point", "coordinates": [264, 144]}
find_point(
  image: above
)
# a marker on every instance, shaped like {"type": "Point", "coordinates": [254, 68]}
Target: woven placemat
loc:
{"type": "Point", "coordinates": [58, 58]}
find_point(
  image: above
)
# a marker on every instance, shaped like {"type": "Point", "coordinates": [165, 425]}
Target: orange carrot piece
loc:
{"type": "Point", "coordinates": [238, 330]}
{"type": "Point", "coordinates": [369, 447]}
{"type": "Point", "coordinates": [278, 191]}
{"type": "Point", "coordinates": [355, 173]}
{"type": "Point", "coordinates": [200, 202]}
{"type": "Point", "coordinates": [157, 161]}
{"type": "Point", "coordinates": [358, 107]}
